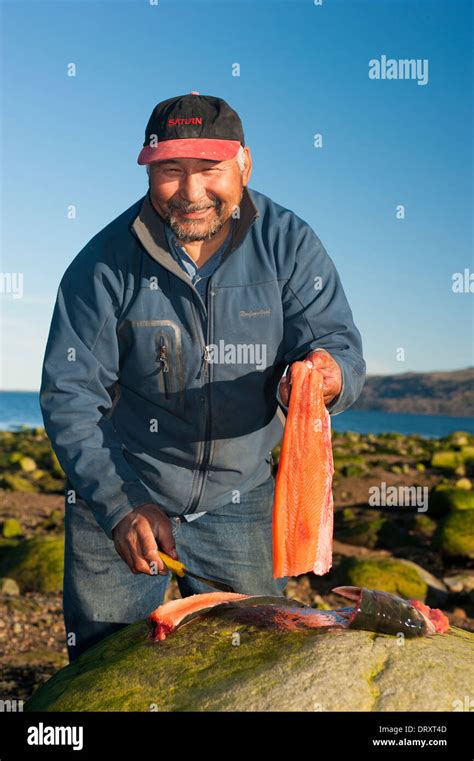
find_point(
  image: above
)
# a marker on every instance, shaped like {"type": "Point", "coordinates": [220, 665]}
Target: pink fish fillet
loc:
{"type": "Point", "coordinates": [303, 510]}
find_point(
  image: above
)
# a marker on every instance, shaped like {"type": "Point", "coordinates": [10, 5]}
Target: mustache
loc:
{"type": "Point", "coordinates": [188, 209]}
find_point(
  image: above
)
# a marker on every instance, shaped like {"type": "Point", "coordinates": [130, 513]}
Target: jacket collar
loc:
{"type": "Point", "coordinates": [149, 227]}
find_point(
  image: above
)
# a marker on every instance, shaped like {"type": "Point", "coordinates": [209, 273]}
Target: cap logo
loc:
{"type": "Point", "coordinates": [191, 120]}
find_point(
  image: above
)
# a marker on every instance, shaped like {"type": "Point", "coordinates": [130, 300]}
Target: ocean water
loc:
{"type": "Point", "coordinates": [21, 408]}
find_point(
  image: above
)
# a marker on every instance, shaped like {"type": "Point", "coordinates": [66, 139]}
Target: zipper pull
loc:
{"type": "Point", "coordinates": [164, 356]}
{"type": "Point", "coordinates": [205, 358]}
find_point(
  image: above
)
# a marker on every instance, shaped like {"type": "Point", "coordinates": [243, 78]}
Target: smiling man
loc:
{"type": "Point", "coordinates": [166, 442]}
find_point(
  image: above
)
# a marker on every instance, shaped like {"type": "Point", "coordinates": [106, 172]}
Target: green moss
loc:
{"type": "Point", "coordinates": [443, 499]}
{"type": "Point", "coordinates": [16, 482]}
{"type": "Point", "coordinates": [447, 460]}
{"type": "Point", "coordinates": [50, 485]}
{"type": "Point", "coordinates": [186, 672]}
{"type": "Point", "coordinates": [27, 464]}
{"type": "Point", "coordinates": [386, 574]}
{"type": "Point", "coordinates": [362, 533]}
{"type": "Point", "coordinates": [36, 564]}
{"type": "Point", "coordinates": [467, 454]}
{"type": "Point", "coordinates": [424, 526]}
{"type": "Point", "coordinates": [11, 527]}
{"type": "Point", "coordinates": [455, 535]}
{"type": "Point", "coordinates": [458, 439]}
{"type": "Point", "coordinates": [348, 459]}
{"type": "Point", "coordinates": [352, 470]}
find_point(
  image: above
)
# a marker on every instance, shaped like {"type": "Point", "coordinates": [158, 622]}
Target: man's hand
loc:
{"type": "Point", "coordinates": [136, 537]}
{"type": "Point", "coordinates": [329, 369]}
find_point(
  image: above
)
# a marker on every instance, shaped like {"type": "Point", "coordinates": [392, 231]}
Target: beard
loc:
{"type": "Point", "coordinates": [192, 230]}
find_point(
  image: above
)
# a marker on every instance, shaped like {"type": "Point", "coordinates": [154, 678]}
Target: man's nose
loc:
{"type": "Point", "coordinates": [193, 188]}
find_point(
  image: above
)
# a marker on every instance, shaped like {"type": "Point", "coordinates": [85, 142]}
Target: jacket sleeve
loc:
{"type": "Point", "coordinates": [81, 362]}
{"type": "Point", "coordinates": [317, 315]}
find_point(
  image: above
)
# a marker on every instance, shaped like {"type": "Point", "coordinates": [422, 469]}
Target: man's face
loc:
{"type": "Point", "coordinates": [196, 197]}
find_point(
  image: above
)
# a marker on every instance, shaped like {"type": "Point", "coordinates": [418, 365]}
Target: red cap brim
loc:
{"type": "Point", "coordinates": [189, 148]}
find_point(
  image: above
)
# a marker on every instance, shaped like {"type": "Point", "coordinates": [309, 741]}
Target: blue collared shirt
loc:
{"type": "Point", "coordinates": [199, 275]}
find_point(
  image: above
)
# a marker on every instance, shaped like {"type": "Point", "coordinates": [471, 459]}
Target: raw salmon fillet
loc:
{"type": "Point", "coordinates": [303, 510]}
{"type": "Point", "coordinates": [166, 617]}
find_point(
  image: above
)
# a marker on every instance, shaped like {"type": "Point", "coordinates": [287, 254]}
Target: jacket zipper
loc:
{"type": "Point", "coordinates": [207, 435]}
{"type": "Point", "coordinates": [165, 366]}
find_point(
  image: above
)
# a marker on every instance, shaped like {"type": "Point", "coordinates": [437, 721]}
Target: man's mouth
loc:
{"type": "Point", "coordinates": [194, 214]}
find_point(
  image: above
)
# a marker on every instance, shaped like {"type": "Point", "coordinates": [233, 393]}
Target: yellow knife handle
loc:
{"type": "Point", "coordinates": [174, 565]}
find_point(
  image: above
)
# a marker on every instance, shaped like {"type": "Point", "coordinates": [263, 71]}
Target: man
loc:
{"type": "Point", "coordinates": [171, 331]}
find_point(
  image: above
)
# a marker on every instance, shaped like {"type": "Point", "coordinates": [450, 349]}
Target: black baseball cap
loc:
{"type": "Point", "coordinates": [192, 126]}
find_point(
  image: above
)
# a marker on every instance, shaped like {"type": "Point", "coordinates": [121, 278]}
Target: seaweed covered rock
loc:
{"type": "Point", "coordinates": [36, 564]}
{"type": "Point", "coordinates": [446, 460]}
{"type": "Point", "coordinates": [387, 574]}
{"type": "Point", "coordinates": [215, 663]}
{"type": "Point", "coordinates": [9, 587]}
{"type": "Point", "coordinates": [358, 527]}
{"type": "Point", "coordinates": [445, 498]}
{"type": "Point", "coordinates": [11, 527]}
{"type": "Point", "coordinates": [455, 534]}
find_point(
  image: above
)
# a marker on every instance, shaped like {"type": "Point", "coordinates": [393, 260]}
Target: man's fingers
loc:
{"type": "Point", "coordinates": [126, 555]}
{"type": "Point", "coordinates": [149, 552]}
{"type": "Point", "coordinates": [165, 538]}
{"type": "Point", "coordinates": [284, 391]}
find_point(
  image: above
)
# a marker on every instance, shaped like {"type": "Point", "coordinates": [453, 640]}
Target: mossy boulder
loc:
{"type": "Point", "coordinates": [358, 526]}
{"type": "Point", "coordinates": [9, 587]}
{"type": "Point", "coordinates": [11, 527]}
{"type": "Point", "coordinates": [386, 574]}
{"type": "Point", "coordinates": [217, 664]}
{"type": "Point", "coordinates": [458, 439]}
{"type": "Point", "coordinates": [443, 499]}
{"type": "Point", "coordinates": [455, 534]}
{"type": "Point", "coordinates": [50, 485]}
{"type": "Point", "coordinates": [17, 482]}
{"type": "Point", "coordinates": [36, 564]}
{"type": "Point", "coordinates": [27, 464]}
{"type": "Point", "coordinates": [423, 527]}
{"type": "Point", "coordinates": [467, 454]}
{"type": "Point", "coordinates": [447, 460]}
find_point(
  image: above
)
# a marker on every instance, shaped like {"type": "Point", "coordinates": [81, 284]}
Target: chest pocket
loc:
{"type": "Point", "coordinates": [169, 361]}
{"type": "Point", "coordinates": [159, 353]}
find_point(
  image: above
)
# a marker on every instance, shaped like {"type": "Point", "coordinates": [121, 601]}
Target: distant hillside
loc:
{"type": "Point", "coordinates": [436, 393]}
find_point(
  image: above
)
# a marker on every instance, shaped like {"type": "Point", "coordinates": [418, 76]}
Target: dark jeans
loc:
{"type": "Point", "coordinates": [101, 594]}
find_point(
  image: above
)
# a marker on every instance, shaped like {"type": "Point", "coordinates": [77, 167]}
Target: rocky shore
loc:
{"type": "Point", "coordinates": [404, 523]}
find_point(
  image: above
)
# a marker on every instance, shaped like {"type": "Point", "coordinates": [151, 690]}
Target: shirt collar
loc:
{"type": "Point", "coordinates": [148, 226]}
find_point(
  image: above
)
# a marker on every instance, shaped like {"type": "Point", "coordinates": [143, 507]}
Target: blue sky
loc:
{"type": "Point", "coordinates": [303, 70]}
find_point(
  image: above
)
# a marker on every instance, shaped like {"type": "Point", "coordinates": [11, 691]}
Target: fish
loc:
{"type": "Point", "coordinates": [373, 610]}
{"type": "Point", "coordinates": [303, 506]}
